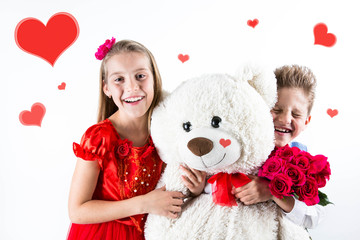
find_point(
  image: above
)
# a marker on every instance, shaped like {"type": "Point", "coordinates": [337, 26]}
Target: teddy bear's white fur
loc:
{"type": "Point", "coordinates": [243, 104]}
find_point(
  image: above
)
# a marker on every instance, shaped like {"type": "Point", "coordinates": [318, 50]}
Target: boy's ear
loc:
{"type": "Point", "coordinates": [307, 121]}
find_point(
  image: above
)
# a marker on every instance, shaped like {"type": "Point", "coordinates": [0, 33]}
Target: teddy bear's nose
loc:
{"type": "Point", "coordinates": [200, 146]}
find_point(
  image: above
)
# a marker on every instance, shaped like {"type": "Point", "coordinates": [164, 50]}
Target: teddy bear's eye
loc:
{"type": "Point", "coordinates": [187, 126]}
{"type": "Point", "coordinates": [215, 121]}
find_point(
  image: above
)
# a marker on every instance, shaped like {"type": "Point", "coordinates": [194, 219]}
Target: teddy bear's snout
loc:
{"type": "Point", "coordinates": [200, 146]}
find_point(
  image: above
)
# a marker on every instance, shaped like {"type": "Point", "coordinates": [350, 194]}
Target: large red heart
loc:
{"type": "Point", "coordinates": [50, 41]}
{"type": "Point", "coordinates": [322, 37]}
{"type": "Point", "coordinates": [33, 117]}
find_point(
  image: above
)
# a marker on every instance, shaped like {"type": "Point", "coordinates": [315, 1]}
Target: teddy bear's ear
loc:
{"type": "Point", "coordinates": [262, 79]}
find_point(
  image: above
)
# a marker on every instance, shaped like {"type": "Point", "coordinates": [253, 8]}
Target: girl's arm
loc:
{"type": "Point", "coordinates": [84, 210]}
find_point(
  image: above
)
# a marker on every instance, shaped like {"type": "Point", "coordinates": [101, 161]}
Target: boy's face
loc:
{"type": "Point", "coordinates": [290, 115]}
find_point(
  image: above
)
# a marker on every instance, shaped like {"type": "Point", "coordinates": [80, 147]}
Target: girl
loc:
{"type": "Point", "coordinates": [118, 168]}
{"type": "Point", "coordinates": [291, 115]}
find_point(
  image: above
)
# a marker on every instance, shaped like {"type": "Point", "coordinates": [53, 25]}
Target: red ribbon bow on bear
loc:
{"type": "Point", "coordinates": [222, 184]}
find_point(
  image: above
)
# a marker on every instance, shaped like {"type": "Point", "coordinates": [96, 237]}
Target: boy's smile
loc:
{"type": "Point", "coordinates": [290, 115]}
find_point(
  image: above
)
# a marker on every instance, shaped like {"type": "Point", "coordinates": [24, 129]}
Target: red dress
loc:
{"type": "Point", "coordinates": [125, 172]}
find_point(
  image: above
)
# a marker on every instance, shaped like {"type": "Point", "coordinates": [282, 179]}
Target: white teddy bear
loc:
{"type": "Point", "coordinates": [219, 124]}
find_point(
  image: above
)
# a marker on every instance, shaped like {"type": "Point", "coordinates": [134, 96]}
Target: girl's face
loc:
{"type": "Point", "coordinates": [290, 115]}
{"type": "Point", "coordinates": [130, 83]}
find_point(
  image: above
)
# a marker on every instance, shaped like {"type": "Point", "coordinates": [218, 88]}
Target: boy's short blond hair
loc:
{"type": "Point", "coordinates": [295, 76]}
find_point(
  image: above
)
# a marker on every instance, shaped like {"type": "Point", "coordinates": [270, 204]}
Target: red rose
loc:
{"type": "Point", "coordinates": [287, 153]}
{"type": "Point", "coordinates": [317, 164]}
{"type": "Point", "coordinates": [271, 167]}
{"type": "Point", "coordinates": [295, 173]}
{"type": "Point", "coordinates": [302, 160]}
{"type": "Point", "coordinates": [280, 185]}
{"type": "Point", "coordinates": [123, 148]}
{"type": "Point", "coordinates": [323, 175]}
{"type": "Point", "coordinates": [308, 193]}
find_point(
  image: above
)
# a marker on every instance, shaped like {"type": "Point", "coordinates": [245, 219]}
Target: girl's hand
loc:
{"type": "Point", "coordinates": [164, 203]}
{"type": "Point", "coordinates": [254, 192]}
{"type": "Point", "coordinates": [194, 180]}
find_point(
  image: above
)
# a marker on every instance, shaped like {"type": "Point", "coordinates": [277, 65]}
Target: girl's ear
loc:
{"type": "Point", "coordinates": [106, 90]}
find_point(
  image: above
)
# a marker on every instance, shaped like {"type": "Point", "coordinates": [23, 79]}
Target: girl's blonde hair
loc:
{"type": "Point", "coordinates": [296, 76]}
{"type": "Point", "coordinates": [107, 106]}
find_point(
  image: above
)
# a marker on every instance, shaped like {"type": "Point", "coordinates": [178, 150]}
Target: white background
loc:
{"type": "Point", "coordinates": [37, 162]}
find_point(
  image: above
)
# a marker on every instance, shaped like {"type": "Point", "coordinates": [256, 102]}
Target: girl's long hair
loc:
{"type": "Point", "coordinates": [107, 106]}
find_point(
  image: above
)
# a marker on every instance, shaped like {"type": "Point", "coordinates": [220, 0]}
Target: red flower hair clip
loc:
{"type": "Point", "coordinates": [104, 48]}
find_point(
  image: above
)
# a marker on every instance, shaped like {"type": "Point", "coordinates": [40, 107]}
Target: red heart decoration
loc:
{"type": "Point", "coordinates": [224, 142]}
{"type": "Point", "coordinates": [50, 41]}
{"type": "Point", "coordinates": [33, 117]}
{"type": "Point", "coordinates": [62, 86]}
{"type": "Point", "coordinates": [183, 58]}
{"type": "Point", "coordinates": [332, 113]}
{"type": "Point", "coordinates": [252, 23]}
{"type": "Point", "coordinates": [322, 37]}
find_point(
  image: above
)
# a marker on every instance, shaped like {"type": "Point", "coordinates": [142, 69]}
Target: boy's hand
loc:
{"type": "Point", "coordinates": [194, 180]}
{"type": "Point", "coordinates": [254, 192]}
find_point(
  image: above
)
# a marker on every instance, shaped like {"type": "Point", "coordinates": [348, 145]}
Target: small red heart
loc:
{"type": "Point", "coordinates": [33, 117]}
{"type": "Point", "coordinates": [50, 41]}
{"type": "Point", "coordinates": [183, 58]}
{"type": "Point", "coordinates": [252, 23]}
{"type": "Point", "coordinates": [322, 37]}
{"type": "Point", "coordinates": [332, 113]}
{"type": "Point", "coordinates": [224, 142]}
{"type": "Point", "coordinates": [62, 86]}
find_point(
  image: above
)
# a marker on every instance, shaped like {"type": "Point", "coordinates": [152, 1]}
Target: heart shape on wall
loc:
{"type": "Point", "coordinates": [253, 23]}
{"type": "Point", "coordinates": [322, 37]}
{"type": "Point", "coordinates": [332, 113]}
{"type": "Point", "coordinates": [33, 117]}
{"type": "Point", "coordinates": [50, 41]}
{"type": "Point", "coordinates": [183, 58]}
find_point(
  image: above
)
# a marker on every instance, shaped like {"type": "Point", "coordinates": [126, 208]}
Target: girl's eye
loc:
{"type": "Point", "coordinates": [119, 79]}
{"type": "Point", "coordinates": [140, 76]}
{"type": "Point", "coordinates": [215, 121]}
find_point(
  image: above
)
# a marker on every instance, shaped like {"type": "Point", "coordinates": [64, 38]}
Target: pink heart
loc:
{"type": "Point", "coordinates": [62, 86]}
{"type": "Point", "coordinates": [183, 58]}
{"type": "Point", "coordinates": [332, 113]}
{"type": "Point", "coordinates": [224, 142]}
{"type": "Point", "coordinates": [33, 117]}
{"type": "Point", "coordinates": [252, 23]}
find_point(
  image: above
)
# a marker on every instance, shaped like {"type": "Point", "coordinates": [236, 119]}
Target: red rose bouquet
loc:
{"type": "Point", "coordinates": [295, 172]}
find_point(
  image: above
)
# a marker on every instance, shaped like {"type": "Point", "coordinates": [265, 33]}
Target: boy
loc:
{"type": "Point", "coordinates": [291, 115]}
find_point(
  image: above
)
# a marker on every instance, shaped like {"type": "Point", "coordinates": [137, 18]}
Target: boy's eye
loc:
{"type": "Point", "coordinates": [276, 110]}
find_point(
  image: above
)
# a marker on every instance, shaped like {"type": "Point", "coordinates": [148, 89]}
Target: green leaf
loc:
{"type": "Point", "coordinates": [323, 199]}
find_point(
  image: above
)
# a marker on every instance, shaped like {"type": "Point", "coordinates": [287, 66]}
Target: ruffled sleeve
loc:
{"type": "Point", "coordinates": [94, 144]}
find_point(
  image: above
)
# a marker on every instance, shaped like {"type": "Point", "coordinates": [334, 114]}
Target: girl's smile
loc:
{"type": "Point", "coordinates": [130, 83]}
